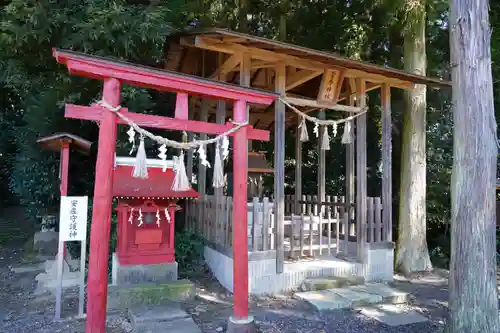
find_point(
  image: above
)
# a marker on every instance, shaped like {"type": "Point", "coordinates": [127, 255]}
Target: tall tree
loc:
{"type": "Point", "coordinates": [473, 288]}
{"type": "Point", "coordinates": [412, 252]}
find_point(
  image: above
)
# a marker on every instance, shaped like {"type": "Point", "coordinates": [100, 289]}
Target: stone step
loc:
{"type": "Point", "coordinates": [166, 318]}
{"type": "Point", "coordinates": [324, 283]}
{"type": "Point", "coordinates": [124, 297]}
{"type": "Point", "coordinates": [392, 314]}
{"type": "Point", "coordinates": [352, 296]}
{"type": "Point", "coordinates": [184, 325]}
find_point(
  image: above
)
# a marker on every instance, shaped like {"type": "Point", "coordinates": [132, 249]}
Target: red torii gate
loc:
{"type": "Point", "coordinates": [114, 73]}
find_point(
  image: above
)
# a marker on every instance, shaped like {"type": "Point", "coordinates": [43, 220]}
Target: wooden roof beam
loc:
{"type": "Point", "coordinates": [216, 45]}
{"type": "Point", "coordinates": [229, 65]}
{"type": "Point", "coordinates": [300, 77]}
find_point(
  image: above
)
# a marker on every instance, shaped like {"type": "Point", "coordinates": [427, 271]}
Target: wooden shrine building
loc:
{"type": "Point", "coordinates": [327, 226]}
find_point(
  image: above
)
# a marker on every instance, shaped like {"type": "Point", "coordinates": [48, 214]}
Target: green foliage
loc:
{"type": "Point", "coordinates": [35, 88]}
{"type": "Point", "coordinates": [188, 251]}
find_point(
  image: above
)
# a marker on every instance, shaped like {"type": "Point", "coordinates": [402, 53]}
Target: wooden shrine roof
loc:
{"type": "Point", "coordinates": [55, 141]}
{"type": "Point", "coordinates": [157, 185]}
{"type": "Point", "coordinates": [313, 58]}
{"type": "Point", "coordinates": [316, 78]}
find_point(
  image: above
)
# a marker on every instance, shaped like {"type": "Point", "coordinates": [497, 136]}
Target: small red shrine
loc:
{"type": "Point", "coordinates": [146, 214]}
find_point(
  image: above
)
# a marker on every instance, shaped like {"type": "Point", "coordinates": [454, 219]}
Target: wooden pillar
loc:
{"type": "Point", "coordinates": [386, 162]}
{"type": "Point", "coordinates": [220, 118]}
{"type": "Point", "coordinates": [240, 216]}
{"type": "Point", "coordinates": [202, 178]}
{"type": "Point", "coordinates": [97, 282]}
{"type": "Point", "coordinates": [298, 170]}
{"type": "Point", "coordinates": [279, 167]}
{"type": "Point", "coordinates": [245, 77]}
{"type": "Point", "coordinates": [190, 153]}
{"type": "Point", "coordinates": [361, 184]}
{"type": "Point", "coordinates": [350, 189]}
{"type": "Point", "coordinates": [202, 170]}
{"type": "Point", "coordinates": [64, 162]}
{"type": "Point", "coordinates": [321, 183]}
{"type": "Point", "coordinates": [64, 174]}
{"type": "Point", "coordinates": [321, 165]}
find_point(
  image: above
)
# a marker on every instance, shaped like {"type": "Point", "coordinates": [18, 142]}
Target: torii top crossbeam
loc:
{"type": "Point", "coordinates": [114, 73]}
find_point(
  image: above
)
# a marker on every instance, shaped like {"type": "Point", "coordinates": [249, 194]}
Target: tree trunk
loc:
{"type": "Point", "coordinates": [412, 252]}
{"type": "Point", "coordinates": [243, 15]}
{"type": "Point", "coordinates": [473, 288]}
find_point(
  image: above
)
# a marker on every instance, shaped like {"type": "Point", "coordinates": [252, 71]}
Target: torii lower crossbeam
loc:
{"type": "Point", "coordinates": [95, 113]}
{"type": "Point", "coordinates": [114, 74]}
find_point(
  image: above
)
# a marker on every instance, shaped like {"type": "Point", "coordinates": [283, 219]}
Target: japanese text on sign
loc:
{"type": "Point", "coordinates": [73, 219]}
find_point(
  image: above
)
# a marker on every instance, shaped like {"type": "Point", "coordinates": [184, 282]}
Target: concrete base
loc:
{"type": "Point", "coordinates": [246, 325]}
{"type": "Point", "coordinates": [138, 274]}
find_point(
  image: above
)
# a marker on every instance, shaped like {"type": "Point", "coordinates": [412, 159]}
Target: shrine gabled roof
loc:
{"type": "Point", "coordinates": [157, 185]}
{"type": "Point", "coordinates": [312, 55]}
{"type": "Point", "coordinates": [54, 142]}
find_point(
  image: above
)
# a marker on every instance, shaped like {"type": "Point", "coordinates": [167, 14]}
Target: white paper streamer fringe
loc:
{"type": "Point", "coordinates": [218, 178]}
{"type": "Point", "coordinates": [181, 181]}
{"type": "Point", "coordinates": [347, 135]}
{"type": "Point", "coordinates": [304, 136]}
{"type": "Point", "coordinates": [325, 145]}
{"type": "Point", "coordinates": [141, 164]}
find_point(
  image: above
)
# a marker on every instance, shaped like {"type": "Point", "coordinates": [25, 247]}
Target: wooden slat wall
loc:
{"type": "Point", "coordinates": [321, 228]}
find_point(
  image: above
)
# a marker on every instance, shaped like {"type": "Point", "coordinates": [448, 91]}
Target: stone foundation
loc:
{"type": "Point", "coordinates": [138, 274]}
{"type": "Point", "coordinates": [378, 265]}
{"type": "Point", "coordinates": [378, 262]}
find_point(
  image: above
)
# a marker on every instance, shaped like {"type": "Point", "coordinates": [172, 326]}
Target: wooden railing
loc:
{"type": "Point", "coordinates": [311, 229]}
{"type": "Point", "coordinates": [211, 219]}
{"type": "Point", "coordinates": [338, 227]}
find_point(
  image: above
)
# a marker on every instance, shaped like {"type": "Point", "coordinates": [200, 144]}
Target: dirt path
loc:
{"type": "Point", "coordinates": [23, 312]}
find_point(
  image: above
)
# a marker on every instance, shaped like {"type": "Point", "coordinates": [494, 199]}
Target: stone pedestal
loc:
{"type": "Point", "coordinates": [378, 263]}
{"type": "Point", "coordinates": [45, 242]}
{"type": "Point", "coordinates": [138, 274]}
{"type": "Point", "coordinates": [48, 281]}
{"type": "Point", "coordinates": [246, 325]}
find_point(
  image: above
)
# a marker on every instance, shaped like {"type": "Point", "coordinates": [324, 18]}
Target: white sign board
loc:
{"type": "Point", "coordinates": [73, 219]}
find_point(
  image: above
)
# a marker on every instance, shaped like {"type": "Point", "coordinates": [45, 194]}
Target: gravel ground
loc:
{"type": "Point", "coordinates": [23, 312]}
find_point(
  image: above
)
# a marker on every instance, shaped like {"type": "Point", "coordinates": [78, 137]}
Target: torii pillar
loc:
{"type": "Point", "coordinates": [114, 73]}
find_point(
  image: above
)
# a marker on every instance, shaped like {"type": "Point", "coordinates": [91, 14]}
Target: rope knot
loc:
{"type": "Point", "coordinates": [108, 106]}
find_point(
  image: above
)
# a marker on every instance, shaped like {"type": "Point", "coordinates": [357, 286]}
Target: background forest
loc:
{"type": "Point", "coordinates": [34, 88]}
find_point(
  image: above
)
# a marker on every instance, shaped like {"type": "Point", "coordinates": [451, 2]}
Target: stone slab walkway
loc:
{"type": "Point", "coordinates": [165, 318]}
{"type": "Point", "coordinates": [392, 315]}
{"type": "Point", "coordinates": [352, 296]}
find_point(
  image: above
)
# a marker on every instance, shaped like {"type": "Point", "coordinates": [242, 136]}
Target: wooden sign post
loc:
{"type": "Point", "coordinates": [72, 227]}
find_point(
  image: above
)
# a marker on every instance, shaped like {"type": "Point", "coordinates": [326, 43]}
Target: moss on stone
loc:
{"type": "Point", "coordinates": [121, 296]}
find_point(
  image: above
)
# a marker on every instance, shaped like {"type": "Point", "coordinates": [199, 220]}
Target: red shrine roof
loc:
{"type": "Point", "coordinates": [157, 185]}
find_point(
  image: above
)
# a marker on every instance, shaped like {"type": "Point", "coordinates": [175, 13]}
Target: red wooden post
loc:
{"type": "Point", "coordinates": [64, 169]}
{"type": "Point", "coordinates": [240, 237]}
{"type": "Point", "coordinates": [181, 106]}
{"type": "Point", "coordinates": [63, 187]}
{"type": "Point", "coordinates": [101, 215]}
{"type": "Point", "coordinates": [171, 211]}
